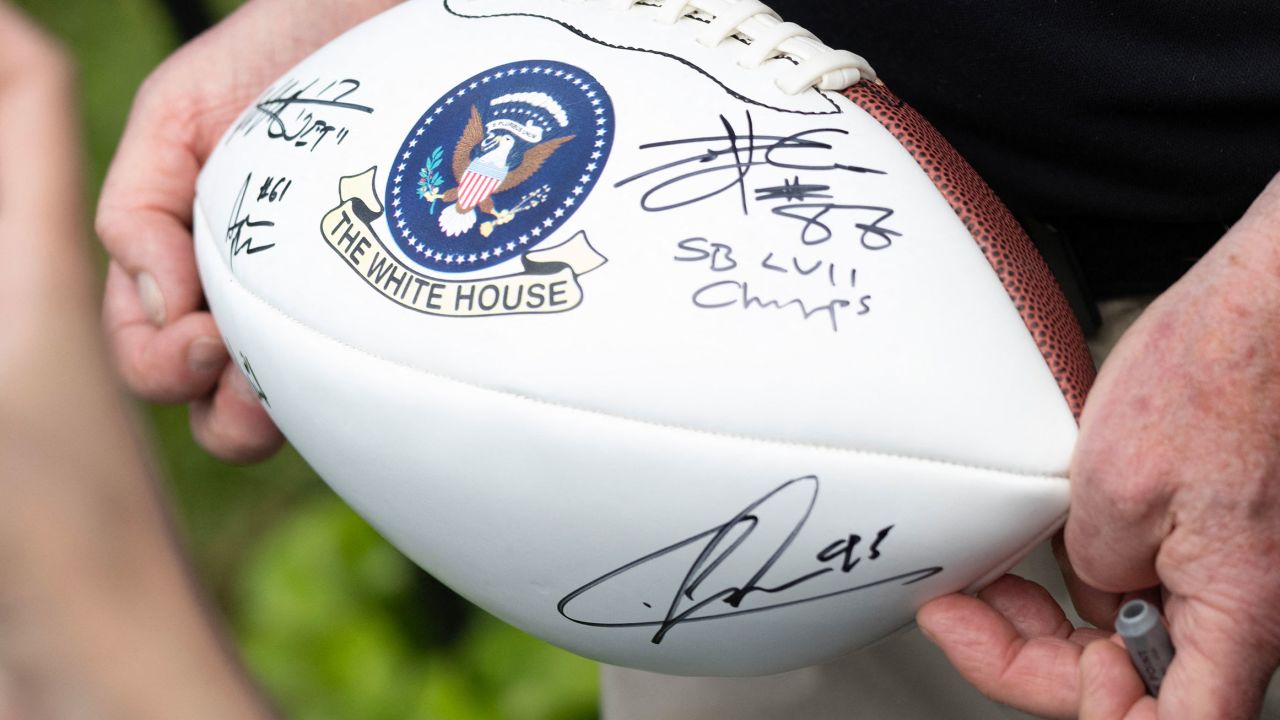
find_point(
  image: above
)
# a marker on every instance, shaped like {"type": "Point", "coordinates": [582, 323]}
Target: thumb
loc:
{"type": "Point", "coordinates": [1220, 669]}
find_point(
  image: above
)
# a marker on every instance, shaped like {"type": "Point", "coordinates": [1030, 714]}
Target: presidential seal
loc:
{"type": "Point", "coordinates": [497, 164]}
{"type": "Point", "coordinates": [484, 179]}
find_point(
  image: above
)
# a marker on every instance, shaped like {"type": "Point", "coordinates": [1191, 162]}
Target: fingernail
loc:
{"type": "Point", "coordinates": [152, 298]}
{"type": "Point", "coordinates": [206, 355]}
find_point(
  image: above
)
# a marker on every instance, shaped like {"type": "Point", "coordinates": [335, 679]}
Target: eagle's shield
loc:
{"type": "Point", "coordinates": [475, 187]}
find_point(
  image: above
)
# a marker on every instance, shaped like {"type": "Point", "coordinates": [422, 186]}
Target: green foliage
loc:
{"type": "Point", "coordinates": [332, 620]}
{"type": "Point", "coordinates": [320, 621]}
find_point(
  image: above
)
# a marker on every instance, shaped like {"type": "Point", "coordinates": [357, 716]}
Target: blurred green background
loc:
{"type": "Point", "coordinates": [331, 620]}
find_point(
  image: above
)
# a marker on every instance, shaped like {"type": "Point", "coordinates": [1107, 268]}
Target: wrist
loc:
{"type": "Point", "coordinates": [1254, 241]}
{"type": "Point", "coordinates": [1242, 272]}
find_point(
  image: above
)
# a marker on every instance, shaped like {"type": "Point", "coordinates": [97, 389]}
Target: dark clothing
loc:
{"type": "Point", "coordinates": [1140, 129]}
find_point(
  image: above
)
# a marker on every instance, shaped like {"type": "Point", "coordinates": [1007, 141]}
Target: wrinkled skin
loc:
{"type": "Point", "coordinates": [1174, 481]}
{"type": "Point", "coordinates": [1175, 492]}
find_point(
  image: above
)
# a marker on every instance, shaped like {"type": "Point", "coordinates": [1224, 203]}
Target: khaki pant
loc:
{"type": "Point", "coordinates": [904, 676]}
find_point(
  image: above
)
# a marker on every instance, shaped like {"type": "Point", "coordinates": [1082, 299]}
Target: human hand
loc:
{"type": "Point", "coordinates": [1175, 488]}
{"type": "Point", "coordinates": [98, 617]}
{"type": "Point", "coordinates": [166, 344]}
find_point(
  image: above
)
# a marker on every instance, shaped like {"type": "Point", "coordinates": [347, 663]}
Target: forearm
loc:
{"type": "Point", "coordinates": [99, 616]}
{"type": "Point", "coordinates": [97, 607]}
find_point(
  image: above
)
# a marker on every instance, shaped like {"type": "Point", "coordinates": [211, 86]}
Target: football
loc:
{"type": "Point", "coordinates": [660, 329]}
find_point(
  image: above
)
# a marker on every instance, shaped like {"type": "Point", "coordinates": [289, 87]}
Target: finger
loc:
{"type": "Point", "coordinates": [144, 214]}
{"type": "Point", "coordinates": [1219, 668]}
{"type": "Point", "coordinates": [232, 424]}
{"type": "Point", "coordinates": [177, 363]}
{"type": "Point", "coordinates": [1036, 674]}
{"type": "Point", "coordinates": [1033, 612]}
{"type": "Point", "coordinates": [1029, 608]}
{"type": "Point", "coordinates": [1097, 607]}
{"type": "Point", "coordinates": [1110, 688]}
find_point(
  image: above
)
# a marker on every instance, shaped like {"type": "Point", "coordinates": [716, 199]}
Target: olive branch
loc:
{"type": "Point", "coordinates": [429, 180]}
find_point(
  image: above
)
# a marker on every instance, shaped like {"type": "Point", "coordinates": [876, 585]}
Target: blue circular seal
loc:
{"type": "Point", "coordinates": [500, 162]}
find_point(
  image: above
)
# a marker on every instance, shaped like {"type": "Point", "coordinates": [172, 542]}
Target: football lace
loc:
{"type": "Point", "coordinates": [766, 36]}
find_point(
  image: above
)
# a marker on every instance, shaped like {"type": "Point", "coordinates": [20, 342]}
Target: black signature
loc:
{"type": "Point", "coordinates": [721, 258]}
{"type": "Point", "coordinates": [305, 128]}
{"type": "Point", "coordinates": [240, 222]}
{"type": "Point", "coordinates": [814, 229]}
{"type": "Point", "coordinates": [733, 154]}
{"type": "Point", "coordinates": [738, 294]}
{"type": "Point", "coordinates": [252, 377]}
{"type": "Point", "coordinates": [692, 602]}
{"type": "Point", "coordinates": [793, 191]}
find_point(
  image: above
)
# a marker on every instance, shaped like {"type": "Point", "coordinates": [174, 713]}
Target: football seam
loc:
{"type": "Point", "coordinates": [252, 293]}
{"type": "Point", "coordinates": [584, 35]}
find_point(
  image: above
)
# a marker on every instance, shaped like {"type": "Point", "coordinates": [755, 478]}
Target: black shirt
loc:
{"type": "Point", "coordinates": [1141, 129]}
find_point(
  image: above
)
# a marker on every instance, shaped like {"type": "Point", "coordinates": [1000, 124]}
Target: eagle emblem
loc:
{"type": "Point", "coordinates": [492, 159]}
{"type": "Point", "coordinates": [501, 162]}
